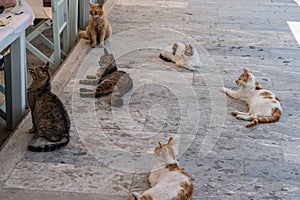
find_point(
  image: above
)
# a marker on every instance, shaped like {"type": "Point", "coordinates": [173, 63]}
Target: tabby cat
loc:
{"type": "Point", "coordinates": [183, 55]}
{"type": "Point", "coordinates": [167, 180]}
{"type": "Point", "coordinates": [264, 106]}
{"type": "Point", "coordinates": [50, 119]}
{"type": "Point", "coordinates": [99, 28]}
{"type": "Point", "coordinates": [110, 81]}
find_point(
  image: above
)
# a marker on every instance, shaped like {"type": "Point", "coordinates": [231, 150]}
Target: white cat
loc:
{"type": "Point", "coordinates": [264, 106]}
{"type": "Point", "coordinates": [183, 55]}
{"type": "Point", "coordinates": [167, 180]}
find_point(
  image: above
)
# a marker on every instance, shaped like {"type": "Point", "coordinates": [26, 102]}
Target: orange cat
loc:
{"type": "Point", "coordinates": [167, 180]}
{"type": "Point", "coordinates": [99, 28]}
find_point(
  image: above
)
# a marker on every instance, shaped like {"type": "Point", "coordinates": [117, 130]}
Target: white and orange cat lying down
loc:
{"type": "Point", "coordinates": [167, 180]}
{"type": "Point", "coordinates": [264, 106]}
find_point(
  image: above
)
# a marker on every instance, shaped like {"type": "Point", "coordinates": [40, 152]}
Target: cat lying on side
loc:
{"type": "Point", "coordinates": [109, 81]}
{"type": "Point", "coordinates": [264, 106]}
{"type": "Point", "coordinates": [99, 28]}
{"type": "Point", "coordinates": [50, 119]}
{"type": "Point", "coordinates": [167, 180]}
{"type": "Point", "coordinates": [183, 55]}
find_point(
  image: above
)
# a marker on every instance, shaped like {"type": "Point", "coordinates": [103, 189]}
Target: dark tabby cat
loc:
{"type": "Point", "coordinates": [51, 122]}
{"type": "Point", "coordinates": [110, 81]}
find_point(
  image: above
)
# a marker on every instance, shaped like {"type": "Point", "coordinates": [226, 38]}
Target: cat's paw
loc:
{"type": "Point", "coordinates": [107, 41]}
{"type": "Point", "coordinates": [223, 89]}
{"type": "Point", "coordinates": [94, 44]}
{"type": "Point", "coordinates": [101, 45]}
{"type": "Point", "coordinates": [234, 113]}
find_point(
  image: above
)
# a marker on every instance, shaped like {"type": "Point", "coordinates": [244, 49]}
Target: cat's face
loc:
{"type": "Point", "coordinates": [165, 152]}
{"type": "Point", "coordinates": [107, 59]}
{"type": "Point", "coordinates": [39, 73]}
{"type": "Point", "coordinates": [188, 51]}
{"type": "Point", "coordinates": [96, 10]}
{"type": "Point", "coordinates": [245, 79]}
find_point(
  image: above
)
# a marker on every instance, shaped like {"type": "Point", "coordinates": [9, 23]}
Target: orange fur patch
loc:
{"type": "Point", "coordinates": [96, 9]}
{"type": "Point", "coordinates": [146, 197]}
{"type": "Point", "coordinates": [131, 197]}
{"type": "Point", "coordinates": [173, 167]}
{"type": "Point", "coordinates": [266, 95]}
{"type": "Point", "coordinates": [257, 86]}
{"type": "Point", "coordinates": [276, 114]}
{"type": "Point", "coordinates": [244, 77]}
{"type": "Point", "coordinates": [187, 190]}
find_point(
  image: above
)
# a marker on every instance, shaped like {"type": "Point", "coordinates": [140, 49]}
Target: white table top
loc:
{"type": "Point", "coordinates": [18, 22]}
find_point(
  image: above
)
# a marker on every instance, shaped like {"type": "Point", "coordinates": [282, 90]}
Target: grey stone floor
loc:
{"type": "Point", "coordinates": [110, 153]}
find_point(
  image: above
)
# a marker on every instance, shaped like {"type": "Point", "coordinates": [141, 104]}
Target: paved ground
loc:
{"type": "Point", "coordinates": [110, 151]}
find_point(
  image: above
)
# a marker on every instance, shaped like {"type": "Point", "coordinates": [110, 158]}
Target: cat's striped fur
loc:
{"type": "Point", "coordinates": [183, 55]}
{"type": "Point", "coordinates": [111, 81]}
{"type": "Point", "coordinates": [168, 181]}
{"type": "Point", "coordinates": [264, 106]}
{"type": "Point", "coordinates": [50, 119]}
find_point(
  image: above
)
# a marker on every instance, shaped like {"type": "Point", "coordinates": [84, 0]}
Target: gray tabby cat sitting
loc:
{"type": "Point", "coordinates": [50, 119]}
{"type": "Point", "coordinates": [109, 80]}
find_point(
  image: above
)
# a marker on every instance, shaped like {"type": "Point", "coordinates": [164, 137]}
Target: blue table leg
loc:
{"type": "Point", "coordinates": [15, 82]}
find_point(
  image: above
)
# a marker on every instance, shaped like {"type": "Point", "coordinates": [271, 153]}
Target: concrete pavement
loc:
{"type": "Point", "coordinates": [110, 153]}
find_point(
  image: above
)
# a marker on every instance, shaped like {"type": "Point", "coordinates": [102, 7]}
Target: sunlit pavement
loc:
{"type": "Point", "coordinates": [110, 152]}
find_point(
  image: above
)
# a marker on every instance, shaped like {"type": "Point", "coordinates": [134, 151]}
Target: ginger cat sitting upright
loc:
{"type": "Point", "coordinates": [167, 180]}
{"type": "Point", "coordinates": [99, 27]}
{"type": "Point", "coordinates": [264, 106]}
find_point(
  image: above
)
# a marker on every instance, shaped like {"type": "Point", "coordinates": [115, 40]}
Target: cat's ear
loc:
{"type": "Point", "coordinates": [47, 66]}
{"type": "Point", "coordinates": [160, 145]}
{"type": "Point", "coordinates": [100, 6]}
{"type": "Point", "coordinates": [90, 4]}
{"type": "Point", "coordinates": [247, 73]}
{"type": "Point", "coordinates": [171, 141]}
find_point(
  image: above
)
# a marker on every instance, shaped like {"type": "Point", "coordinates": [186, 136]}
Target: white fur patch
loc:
{"type": "Point", "coordinates": [180, 59]}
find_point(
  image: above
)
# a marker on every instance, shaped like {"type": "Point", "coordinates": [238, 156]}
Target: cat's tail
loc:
{"type": "Point", "coordinates": [276, 113]}
{"type": "Point", "coordinates": [37, 144]}
{"type": "Point", "coordinates": [84, 35]}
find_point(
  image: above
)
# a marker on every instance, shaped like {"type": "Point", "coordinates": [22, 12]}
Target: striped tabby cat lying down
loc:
{"type": "Point", "coordinates": [109, 80]}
